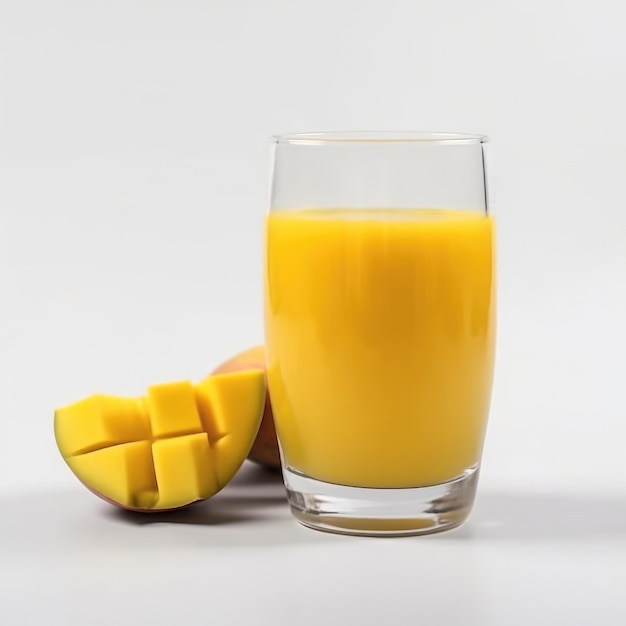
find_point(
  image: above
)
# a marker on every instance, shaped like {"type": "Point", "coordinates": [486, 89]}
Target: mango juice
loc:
{"type": "Point", "coordinates": [380, 332]}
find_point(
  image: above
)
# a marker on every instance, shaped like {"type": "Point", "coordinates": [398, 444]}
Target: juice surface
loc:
{"type": "Point", "coordinates": [380, 329]}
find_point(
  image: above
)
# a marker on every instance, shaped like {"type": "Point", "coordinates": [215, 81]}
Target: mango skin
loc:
{"type": "Point", "coordinates": [265, 450]}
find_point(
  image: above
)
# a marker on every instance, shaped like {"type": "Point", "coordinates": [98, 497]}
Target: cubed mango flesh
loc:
{"type": "Point", "coordinates": [265, 449]}
{"type": "Point", "coordinates": [178, 444]}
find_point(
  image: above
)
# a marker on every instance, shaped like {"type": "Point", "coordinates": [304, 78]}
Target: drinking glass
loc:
{"type": "Point", "coordinates": [380, 326]}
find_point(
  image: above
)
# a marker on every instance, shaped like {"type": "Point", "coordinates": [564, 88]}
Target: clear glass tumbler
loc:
{"type": "Point", "coordinates": [380, 327]}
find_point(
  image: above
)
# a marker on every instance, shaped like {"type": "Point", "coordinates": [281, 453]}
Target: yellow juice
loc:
{"type": "Point", "coordinates": [380, 332]}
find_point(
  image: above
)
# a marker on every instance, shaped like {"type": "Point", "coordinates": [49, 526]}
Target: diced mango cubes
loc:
{"type": "Point", "coordinates": [178, 444]}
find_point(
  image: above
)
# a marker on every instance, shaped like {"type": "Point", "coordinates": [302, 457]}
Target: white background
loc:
{"type": "Point", "coordinates": [134, 165]}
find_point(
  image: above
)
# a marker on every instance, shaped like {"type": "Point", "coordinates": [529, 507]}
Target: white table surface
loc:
{"type": "Point", "coordinates": [67, 558]}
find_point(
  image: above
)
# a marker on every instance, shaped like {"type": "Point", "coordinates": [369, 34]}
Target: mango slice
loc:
{"type": "Point", "coordinates": [178, 444]}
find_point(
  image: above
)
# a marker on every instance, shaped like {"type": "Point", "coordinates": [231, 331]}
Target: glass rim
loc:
{"type": "Point", "coordinates": [374, 137]}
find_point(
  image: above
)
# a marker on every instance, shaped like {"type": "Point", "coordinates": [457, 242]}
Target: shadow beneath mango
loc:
{"type": "Point", "coordinates": [256, 494]}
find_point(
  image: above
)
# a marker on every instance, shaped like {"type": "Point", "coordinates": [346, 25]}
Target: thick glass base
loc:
{"type": "Point", "coordinates": [380, 512]}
